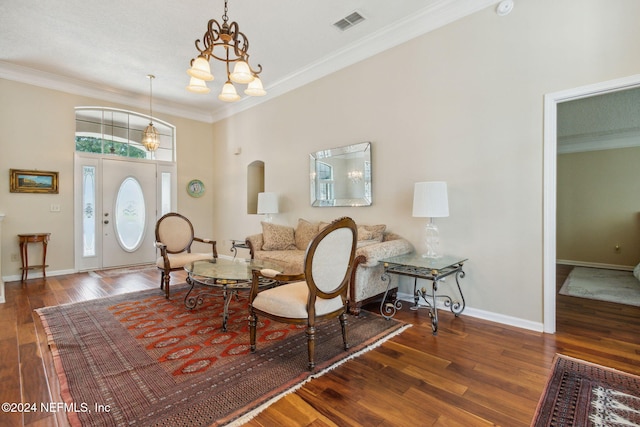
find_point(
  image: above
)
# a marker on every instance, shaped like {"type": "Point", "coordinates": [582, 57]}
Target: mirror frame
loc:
{"type": "Point", "coordinates": [361, 184]}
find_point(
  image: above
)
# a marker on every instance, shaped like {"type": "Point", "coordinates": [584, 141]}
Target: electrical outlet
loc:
{"type": "Point", "coordinates": [55, 208]}
{"type": "Point", "coordinates": [14, 257]}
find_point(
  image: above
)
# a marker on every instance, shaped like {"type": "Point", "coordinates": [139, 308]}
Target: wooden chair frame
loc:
{"type": "Point", "coordinates": [166, 269]}
{"type": "Point", "coordinates": [314, 292]}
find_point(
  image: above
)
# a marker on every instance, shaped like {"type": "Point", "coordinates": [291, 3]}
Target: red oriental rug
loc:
{"type": "Point", "coordinates": [581, 394]}
{"type": "Point", "coordinates": [138, 359]}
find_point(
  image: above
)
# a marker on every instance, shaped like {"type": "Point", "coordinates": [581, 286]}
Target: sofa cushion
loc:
{"type": "Point", "coordinates": [277, 237]}
{"type": "Point", "coordinates": [291, 261]}
{"type": "Point", "coordinates": [305, 232]}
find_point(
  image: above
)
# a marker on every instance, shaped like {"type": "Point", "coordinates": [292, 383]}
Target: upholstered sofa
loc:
{"type": "Point", "coordinates": [286, 246]}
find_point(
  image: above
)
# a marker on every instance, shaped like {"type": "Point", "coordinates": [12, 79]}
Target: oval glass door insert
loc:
{"type": "Point", "coordinates": [130, 215]}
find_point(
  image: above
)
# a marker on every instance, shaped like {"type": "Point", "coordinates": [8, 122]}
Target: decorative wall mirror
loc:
{"type": "Point", "coordinates": [341, 176]}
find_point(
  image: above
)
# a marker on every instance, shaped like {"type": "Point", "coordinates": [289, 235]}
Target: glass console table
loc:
{"type": "Point", "coordinates": [433, 269]}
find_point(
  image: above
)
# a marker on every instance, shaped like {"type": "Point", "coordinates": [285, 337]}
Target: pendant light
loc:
{"type": "Point", "coordinates": [151, 136]}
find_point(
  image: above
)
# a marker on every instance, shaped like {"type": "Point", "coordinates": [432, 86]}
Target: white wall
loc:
{"type": "Point", "coordinates": [462, 104]}
{"type": "Point", "coordinates": [37, 131]}
{"type": "Point", "coordinates": [467, 108]}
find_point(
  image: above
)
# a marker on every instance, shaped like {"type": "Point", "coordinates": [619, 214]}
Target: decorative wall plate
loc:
{"type": "Point", "coordinates": [195, 188]}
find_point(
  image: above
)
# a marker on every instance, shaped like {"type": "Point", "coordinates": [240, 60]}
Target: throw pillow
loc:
{"type": "Point", "coordinates": [377, 231]}
{"type": "Point", "coordinates": [305, 232]}
{"type": "Point", "coordinates": [277, 237]}
{"type": "Point", "coordinates": [364, 234]}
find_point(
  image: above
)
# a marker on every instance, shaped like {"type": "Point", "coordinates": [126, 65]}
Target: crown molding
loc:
{"type": "Point", "coordinates": [436, 16]}
{"type": "Point", "coordinates": [433, 17]}
{"type": "Point", "coordinates": [52, 81]}
{"type": "Point", "coordinates": [626, 138]}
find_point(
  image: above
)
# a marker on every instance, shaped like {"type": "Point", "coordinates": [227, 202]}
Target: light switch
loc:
{"type": "Point", "coordinates": [55, 208]}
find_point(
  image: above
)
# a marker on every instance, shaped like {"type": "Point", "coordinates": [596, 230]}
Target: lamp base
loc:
{"type": "Point", "coordinates": [432, 240]}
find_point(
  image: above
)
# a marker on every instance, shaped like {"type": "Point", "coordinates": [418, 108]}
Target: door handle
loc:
{"type": "Point", "coordinates": [106, 221]}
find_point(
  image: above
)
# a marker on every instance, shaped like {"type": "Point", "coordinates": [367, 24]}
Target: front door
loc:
{"type": "Point", "coordinates": [128, 212]}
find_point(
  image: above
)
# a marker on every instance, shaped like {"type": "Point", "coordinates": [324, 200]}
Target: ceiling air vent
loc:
{"type": "Point", "coordinates": [349, 21]}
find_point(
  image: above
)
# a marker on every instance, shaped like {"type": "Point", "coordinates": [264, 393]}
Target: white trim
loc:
{"type": "Point", "coordinates": [596, 265]}
{"type": "Point", "coordinates": [485, 315]}
{"type": "Point", "coordinates": [551, 102]}
{"type": "Point", "coordinates": [598, 142]}
{"type": "Point", "coordinates": [46, 80]}
{"type": "Point", "coordinates": [439, 14]}
{"type": "Point", "coordinates": [38, 275]}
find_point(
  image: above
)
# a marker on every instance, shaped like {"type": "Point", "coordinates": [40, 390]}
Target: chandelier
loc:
{"type": "Point", "coordinates": [228, 44]}
{"type": "Point", "coordinates": [151, 136]}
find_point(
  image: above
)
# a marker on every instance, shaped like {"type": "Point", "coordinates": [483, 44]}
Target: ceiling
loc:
{"type": "Point", "coordinates": [600, 122]}
{"type": "Point", "coordinates": [105, 49]}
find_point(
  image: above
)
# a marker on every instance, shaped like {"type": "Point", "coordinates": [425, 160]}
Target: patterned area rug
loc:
{"type": "Point", "coordinates": [601, 284]}
{"type": "Point", "coordinates": [580, 394]}
{"type": "Point", "coordinates": [140, 360]}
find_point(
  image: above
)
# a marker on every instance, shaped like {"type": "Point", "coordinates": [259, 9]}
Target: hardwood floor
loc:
{"type": "Point", "coordinates": [474, 373]}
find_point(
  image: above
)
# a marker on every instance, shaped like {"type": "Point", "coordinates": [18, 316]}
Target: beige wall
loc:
{"type": "Point", "coordinates": [599, 207]}
{"type": "Point", "coordinates": [462, 104]}
{"type": "Point", "coordinates": [37, 131]}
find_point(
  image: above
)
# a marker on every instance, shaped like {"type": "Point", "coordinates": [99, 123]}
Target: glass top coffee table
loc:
{"type": "Point", "coordinates": [225, 277]}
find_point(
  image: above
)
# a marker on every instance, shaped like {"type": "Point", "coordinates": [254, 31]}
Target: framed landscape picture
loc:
{"type": "Point", "coordinates": [33, 181]}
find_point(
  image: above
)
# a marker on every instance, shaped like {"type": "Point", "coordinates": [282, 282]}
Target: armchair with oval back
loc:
{"type": "Point", "coordinates": [319, 293]}
{"type": "Point", "coordinates": [174, 237]}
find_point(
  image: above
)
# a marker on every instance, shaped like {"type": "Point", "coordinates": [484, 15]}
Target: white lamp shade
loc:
{"type": "Point", "coordinates": [197, 86]}
{"type": "Point", "coordinates": [430, 199]}
{"type": "Point", "coordinates": [200, 69]}
{"type": "Point", "coordinates": [267, 203]}
{"type": "Point", "coordinates": [228, 93]}
{"type": "Point", "coordinates": [241, 73]}
{"type": "Point", "coordinates": [255, 88]}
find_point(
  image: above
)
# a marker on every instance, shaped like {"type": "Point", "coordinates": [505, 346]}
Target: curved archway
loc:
{"type": "Point", "coordinates": [255, 185]}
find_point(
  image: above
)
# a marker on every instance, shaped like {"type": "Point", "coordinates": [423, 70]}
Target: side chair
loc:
{"type": "Point", "coordinates": [317, 294]}
{"type": "Point", "coordinates": [174, 236]}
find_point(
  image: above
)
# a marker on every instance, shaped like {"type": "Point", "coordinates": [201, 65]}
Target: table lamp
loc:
{"type": "Point", "coordinates": [267, 205]}
{"type": "Point", "coordinates": [430, 201]}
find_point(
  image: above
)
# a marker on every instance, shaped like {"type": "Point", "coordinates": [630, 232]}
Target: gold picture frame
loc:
{"type": "Point", "coordinates": [33, 181]}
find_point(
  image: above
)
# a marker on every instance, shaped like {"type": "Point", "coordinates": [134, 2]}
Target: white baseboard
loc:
{"type": "Point", "coordinates": [596, 265]}
{"type": "Point", "coordinates": [38, 275]}
{"type": "Point", "coordinates": [2, 300]}
{"type": "Point", "coordinates": [486, 315]}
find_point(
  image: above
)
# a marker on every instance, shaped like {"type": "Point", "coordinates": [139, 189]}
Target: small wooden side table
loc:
{"type": "Point", "coordinates": [24, 254]}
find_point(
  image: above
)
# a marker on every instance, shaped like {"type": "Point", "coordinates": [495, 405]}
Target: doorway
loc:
{"type": "Point", "coordinates": [128, 213]}
{"type": "Point", "coordinates": [551, 102]}
{"type": "Point", "coordinates": [117, 202]}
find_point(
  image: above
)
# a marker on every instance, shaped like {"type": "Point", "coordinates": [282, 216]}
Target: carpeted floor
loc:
{"type": "Point", "coordinates": [580, 394]}
{"type": "Point", "coordinates": [138, 359]}
{"type": "Point", "coordinates": [601, 284]}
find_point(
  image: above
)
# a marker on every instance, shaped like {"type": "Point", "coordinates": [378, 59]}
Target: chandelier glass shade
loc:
{"type": "Point", "coordinates": [225, 43]}
{"type": "Point", "coordinates": [151, 136]}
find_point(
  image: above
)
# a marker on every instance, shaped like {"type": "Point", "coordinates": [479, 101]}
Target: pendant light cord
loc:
{"type": "Point", "coordinates": [151, 77]}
